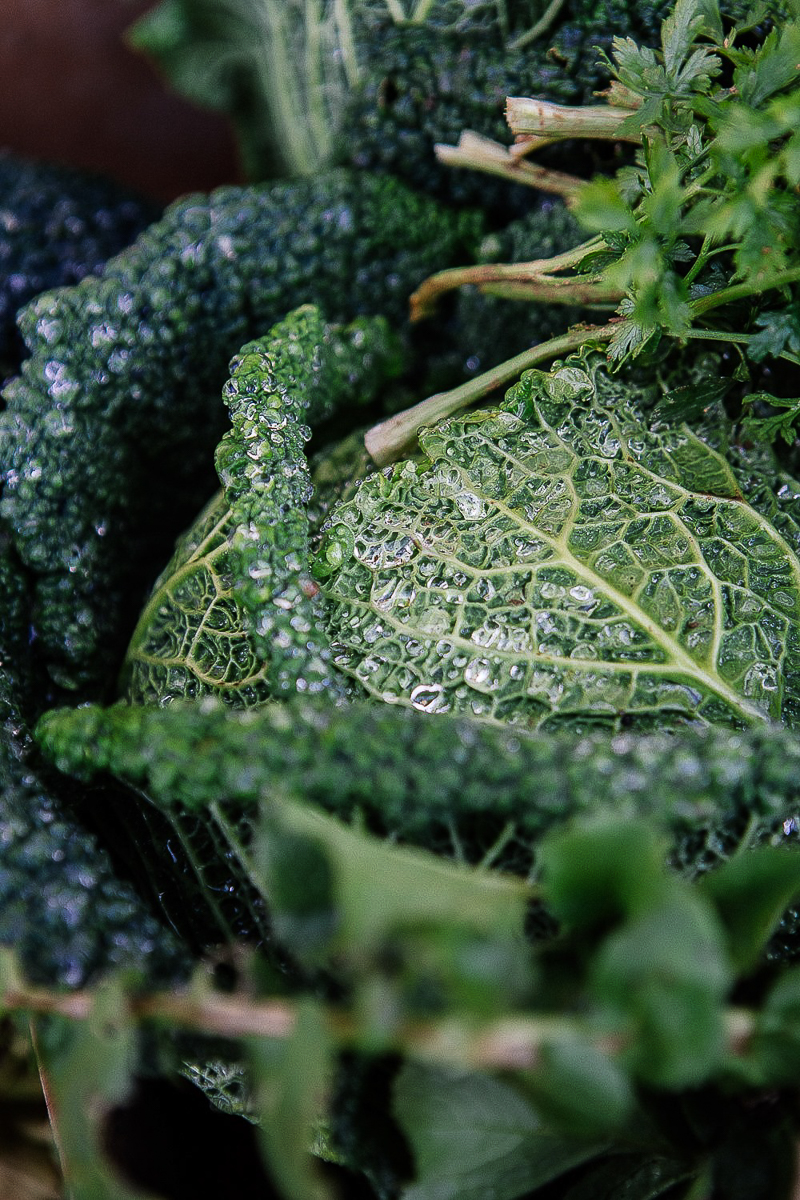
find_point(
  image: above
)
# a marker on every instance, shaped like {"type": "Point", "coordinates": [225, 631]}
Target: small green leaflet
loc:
{"type": "Point", "coordinates": [559, 562]}
{"type": "Point", "coordinates": [379, 888]}
{"type": "Point", "coordinates": [778, 424]}
{"type": "Point", "coordinates": [473, 1136]}
{"type": "Point", "coordinates": [88, 1067]}
{"type": "Point", "coordinates": [690, 401]}
{"type": "Point", "coordinates": [750, 892]}
{"type": "Point", "coordinates": [289, 1080]}
{"type": "Point", "coordinates": [778, 331]}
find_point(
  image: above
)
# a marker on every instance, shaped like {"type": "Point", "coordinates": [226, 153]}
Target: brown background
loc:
{"type": "Point", "coordinates": [73, 92]}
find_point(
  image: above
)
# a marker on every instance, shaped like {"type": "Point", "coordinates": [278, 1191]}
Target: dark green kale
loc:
{"type": "Point", "coordinates": [463, 789]}
{"type": "Point", "coordinates": [236, 612]}
{"type": "Point", "coordinates": [377, 84]}
{"type": "Point", "coordinates": [57, 225]}
{"type": "Point", "coordinates": [420, 86]}
{"type": "Point", "coordinates": [488, 329]}
{"type": "Point", "coordinates": [109, 431]}
{"type": "Point", "coordinates": [62, 906]}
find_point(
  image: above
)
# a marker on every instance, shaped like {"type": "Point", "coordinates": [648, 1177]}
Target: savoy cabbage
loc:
{"type": "Point", "coordinates": [489, 756]}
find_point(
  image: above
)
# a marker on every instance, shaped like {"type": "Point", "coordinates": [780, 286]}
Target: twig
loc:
{"type": "Point", "coordinates": [509, 1044]}
{"type": "Point", "coordinates": [479, 153]}
{"type": "Point", "coordinates": [592, 292]}
{"type": "Point", "coordinates": [740, 291]}
{"type": "Point", "coordinates": [423, 301]}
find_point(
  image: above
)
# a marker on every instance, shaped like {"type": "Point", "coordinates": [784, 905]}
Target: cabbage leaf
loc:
{"type": "Point", "coordinates": [567, 559]}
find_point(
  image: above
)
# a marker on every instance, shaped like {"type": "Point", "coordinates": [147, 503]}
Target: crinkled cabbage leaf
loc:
{"type": "Point", "coordinates": [568, 559]}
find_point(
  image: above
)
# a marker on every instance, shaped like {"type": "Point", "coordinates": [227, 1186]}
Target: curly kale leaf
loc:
{"type": "Point", "coordinates": [57, 225]}
{"type": "Point", "coordinates": [563, 562]}
{"type": "Point", "coordinates": [62, 906]}
{"type": "Point", "coordinates": [236, 613]}
{"type": "Point", "coordinates": [378, 83]}
{"type": "Point", "coordinates": [110, 428]}
{"type": "Point", "coordinates": [445, 783]}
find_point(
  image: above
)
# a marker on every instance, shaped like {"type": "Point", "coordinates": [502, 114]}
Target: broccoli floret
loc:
{"type": "Point", "coordinates": [57, 225]}
{"type": "Point", "coordinates": [110, 428]}
{"type": "Point", "coordinates": [61, 905]}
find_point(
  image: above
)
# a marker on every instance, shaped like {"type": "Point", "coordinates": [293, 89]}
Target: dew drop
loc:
{"type": "Point", "coordinates": [428, 697]}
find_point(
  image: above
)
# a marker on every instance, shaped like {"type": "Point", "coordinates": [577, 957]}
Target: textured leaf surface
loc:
{"type": "Point", "coordinates": [109, 429]}
{"type": "Point", "coordinates": [561, 561]}
{"type": "Point", "coordinates": [474, 1137]}
{"type": "Point", "coordinates": [235, 612]}
{"type": "Point", "coordinates": [460, 786]}
{"type": "Point", "coordinates": [62, 906]}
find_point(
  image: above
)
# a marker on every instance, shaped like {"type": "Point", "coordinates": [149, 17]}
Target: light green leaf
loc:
{"type": "Point", "coordinates": [775, 1046]}
{"type": "Point", "coordinates": [601, 871]}
{"type": "Point", "coordinates": [235, 612]}
{"type": "Point", "coordinates": [600, 207]}
{"type": "Point", "coordinates": [88, 1067]}
{"type": "Point", "coordinates": [751, 892]}
{"type": "Point", "coordinates": [677, 34]}
{"type": "Point", "coordinates": [378, 887]}
{"type": "Point", "coordinates": [773, 67]}
{"type": "Point", "coordinates": [665, 974]}
{"type": "Point", "coordinates": [560, 562]}
{"type": "Point", "coordinates": [289, 1078]}
{"type": "Point", "coordinates": [579, 1089]}
{"type": "Point", "coordinates": [684, 66]}
{"type": "Point", "coordinates": [473, 1136]}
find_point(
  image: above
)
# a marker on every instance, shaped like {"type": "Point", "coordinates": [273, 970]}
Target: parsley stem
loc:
{"type": "Point", "coordinates": [740, 291]}
{"type": "Point", "coordinates": [423, 301]}
{"type": "Point", "coordinates": [513, 1042]}
{"type": "Point", "coordinates": [584, 292]}
{"type": "Point", "coordinates": [478, 153]}
{"type": "Point", "coordinates": [527, 115]}
{"type": "Point", "coordinates": [391, 439]}
{"type": "Point", "coordinates": [741, 339]}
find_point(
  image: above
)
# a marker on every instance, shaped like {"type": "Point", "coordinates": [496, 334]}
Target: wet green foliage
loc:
{"type": "Point", "coordinates": [58, 225]}
{"type": "Point", "coordinates": [626, 1059]}
{"type": "Point", "coordinates": [62, 905]}
{"type": "Point", "coordinates": [129, 369]}
{"type": "Point", "coordinates": [531, 928]}
{"type": "Point", "coordinates": [235, 612]}
{"type": "Point", "coordinates": [378, 84]}
{"type": "Point", "coordinates": [561, 561]}
{"type": "Point", "coordinates": [707, 217]}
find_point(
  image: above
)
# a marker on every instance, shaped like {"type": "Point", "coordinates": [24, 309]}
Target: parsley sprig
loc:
{"type": "Point", "coordinates": [698, 238]}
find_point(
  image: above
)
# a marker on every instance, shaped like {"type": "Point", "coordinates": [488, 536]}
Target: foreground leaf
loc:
{"type": "Point", "coordinates": [445, 783]}
{"type": "Point", "coordinates": [378, 887]}
{"type": "Point", "coordinates": [289, 1079]}
{"type": "Point", "coordinates": [750, 892]}
{"type": "Point", "coordinates": [87, 1068]}
{"type": "Point", "coordinates": [473, 1136]}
